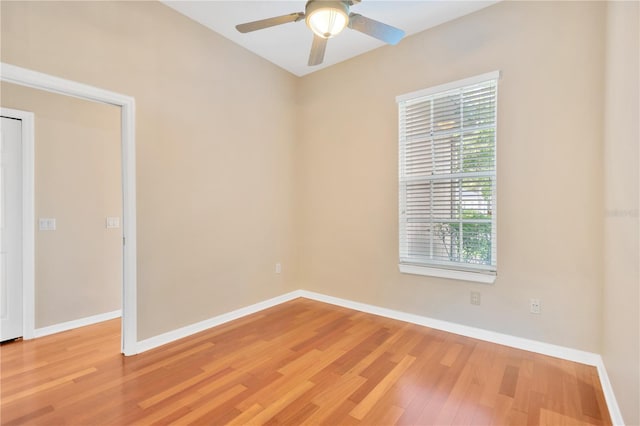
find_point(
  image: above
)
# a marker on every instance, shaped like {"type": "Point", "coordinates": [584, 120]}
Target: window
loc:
{"type": "Point", "coordinates": [448, 180]}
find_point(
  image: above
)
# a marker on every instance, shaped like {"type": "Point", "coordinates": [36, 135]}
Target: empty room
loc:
{"type": "Point", "coordinates": [320, 212]}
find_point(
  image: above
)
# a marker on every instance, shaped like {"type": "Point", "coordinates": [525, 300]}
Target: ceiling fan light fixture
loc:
{"type": "Point", "coordinates": [327, 18]}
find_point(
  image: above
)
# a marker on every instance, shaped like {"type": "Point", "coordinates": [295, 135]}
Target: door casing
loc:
{"type": "Point", "coordinates": [37, 80]}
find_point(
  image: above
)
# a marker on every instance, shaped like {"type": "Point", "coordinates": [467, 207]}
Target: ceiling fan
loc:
{"type": "Point", "coordinates": [327, 18]}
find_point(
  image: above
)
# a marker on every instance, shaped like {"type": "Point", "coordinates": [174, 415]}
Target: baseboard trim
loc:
{"type": "Point", "coordinates": [609, 396]}
{"type": "Point", "coordinates": [543, 348]}
{"type": "Point", "coordinates": [549, 349]}
{"type": "Point", "coordinates": [163, 339]}
{"type": "Point", "coordinates": [70, 325]}
{"type": "Point", "coordinates": [562, 352]}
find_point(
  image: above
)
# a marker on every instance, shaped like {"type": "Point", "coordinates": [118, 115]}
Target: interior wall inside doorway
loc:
{"type": "Point", "coordinates": [78, 266]}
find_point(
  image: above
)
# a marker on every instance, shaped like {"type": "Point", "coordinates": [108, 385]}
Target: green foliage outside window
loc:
{"type": "Point", "coordinates": [476, 237]}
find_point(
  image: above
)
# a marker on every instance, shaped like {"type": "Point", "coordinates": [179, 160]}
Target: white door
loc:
{"type": "Point", "coordinates": [11, 229]}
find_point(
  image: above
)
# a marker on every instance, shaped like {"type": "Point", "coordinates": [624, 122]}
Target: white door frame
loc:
{"type": "Point", "coordinates": [37, 80]}
{"type": "Point", "coordinates": [27, 174]}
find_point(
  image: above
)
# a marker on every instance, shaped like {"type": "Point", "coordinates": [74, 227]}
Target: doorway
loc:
{"type": "Point", "coordinates": [33, 79]}
{"type": "Point", "coordinates": [78, 205]}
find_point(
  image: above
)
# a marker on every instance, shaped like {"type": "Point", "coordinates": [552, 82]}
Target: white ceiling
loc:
{"type": "Point", "coordinates": [288, 45]}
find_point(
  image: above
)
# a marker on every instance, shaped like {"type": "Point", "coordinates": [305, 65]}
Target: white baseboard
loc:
{"type": "Point", "coordinates": [163, 339]}
{"type": "Point", "coordinates": [543, 348]}
{"type": "Point", "coordinates": [549, 349]}
{"type": "Point", "coordinates": [609, 396]}
{"type": "Point", "coordinates": [70, 325]}
{"type": "Point", "coordinates": [562, 352]}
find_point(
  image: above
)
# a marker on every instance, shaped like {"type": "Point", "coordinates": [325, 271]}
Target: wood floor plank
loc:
{"type": "Point", "coordinates": [457, 397]}
{"type": "Point", "coordinates": [244, 417]}
{"type": "Point", "coordinates": [212, 402]}
{"type": "Point", "coordinates": [31, 416]}
{"type": "Point", "coordinates": [65, 380]}
{"type": "Point", "coordinates": [509, 381]}
{"type": "Point", "coordinates": [376, 393]}
{"type": "Point", "coordinates": [331, 397]}
{"type": "Point", "coordinates": [279, 404]}
{"type": "Point", "coordinates": [301, 362]}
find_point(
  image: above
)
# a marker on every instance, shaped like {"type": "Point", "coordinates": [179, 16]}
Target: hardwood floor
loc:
{"type": "Point", "coordinates": [302, 362]}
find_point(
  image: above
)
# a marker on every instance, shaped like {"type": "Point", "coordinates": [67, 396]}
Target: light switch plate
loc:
{"type": "Point", "coordinates": [47, 224]}
{"type": "Point", "coordinates": [113, 222]}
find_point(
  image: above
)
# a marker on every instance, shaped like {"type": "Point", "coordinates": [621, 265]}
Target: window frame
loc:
{"type": "Point", "coordinates": [462, 271]}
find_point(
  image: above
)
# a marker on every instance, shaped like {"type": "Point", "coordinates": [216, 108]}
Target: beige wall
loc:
{"type": "Point", "coordinates": [549, 171]}
{"type": "Point", "coordinates": [621, 342]}
{"type": "Point", "coordinates": [215, 131]}
{"type": "Point", "coordinates": [78, 267]}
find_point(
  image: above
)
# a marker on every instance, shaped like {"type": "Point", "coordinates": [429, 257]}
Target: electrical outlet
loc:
{"type": "Point", "coordinates": [534, 306]}
{"type": "Point", "coordinates": [475, 297]}
{"type": "Point", "coordinates": [278, 268]}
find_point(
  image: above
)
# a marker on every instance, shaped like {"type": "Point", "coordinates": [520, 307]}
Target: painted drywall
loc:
{"type": "Point", "coordinates": [550, 174]}
{"type": "Point", "coordinates": [621, 337]}
{"type": "Point", "coordinates": [214, 136]}
{"type": "Point", "coordinates": [78, 267]}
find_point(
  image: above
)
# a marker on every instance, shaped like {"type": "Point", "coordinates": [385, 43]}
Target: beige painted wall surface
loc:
{"type": "Point", "coordinates": [77, 182]}
{"type": "Point", "coordinates": [549, 171]}
{"type": "Point", "coordinates": [215, 130]}
{"type": "Point", "coordinates": [621, 342]}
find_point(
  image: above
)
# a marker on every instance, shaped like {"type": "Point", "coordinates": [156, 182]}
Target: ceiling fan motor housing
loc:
{"type": "Point", "coordinates": [327, 18]}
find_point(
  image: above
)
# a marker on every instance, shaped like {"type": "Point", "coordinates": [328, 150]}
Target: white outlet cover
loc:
{"type": "Point", "coordinates": [534, 306]}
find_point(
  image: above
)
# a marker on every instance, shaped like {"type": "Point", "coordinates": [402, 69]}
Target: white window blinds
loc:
{"type": "Point", "coordinates": [448, 176]}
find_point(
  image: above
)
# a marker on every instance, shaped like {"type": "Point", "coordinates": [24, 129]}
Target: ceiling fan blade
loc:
{"type": "Point", "coordinates": [269, 22]}
{"type": "Point", "coordinates": [368, 26]}
{"type": "Point", "coordinates": [317, 50]}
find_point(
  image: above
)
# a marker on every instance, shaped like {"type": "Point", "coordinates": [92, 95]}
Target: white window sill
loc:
{"type": "Point", "coordinates": [488, 278]}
